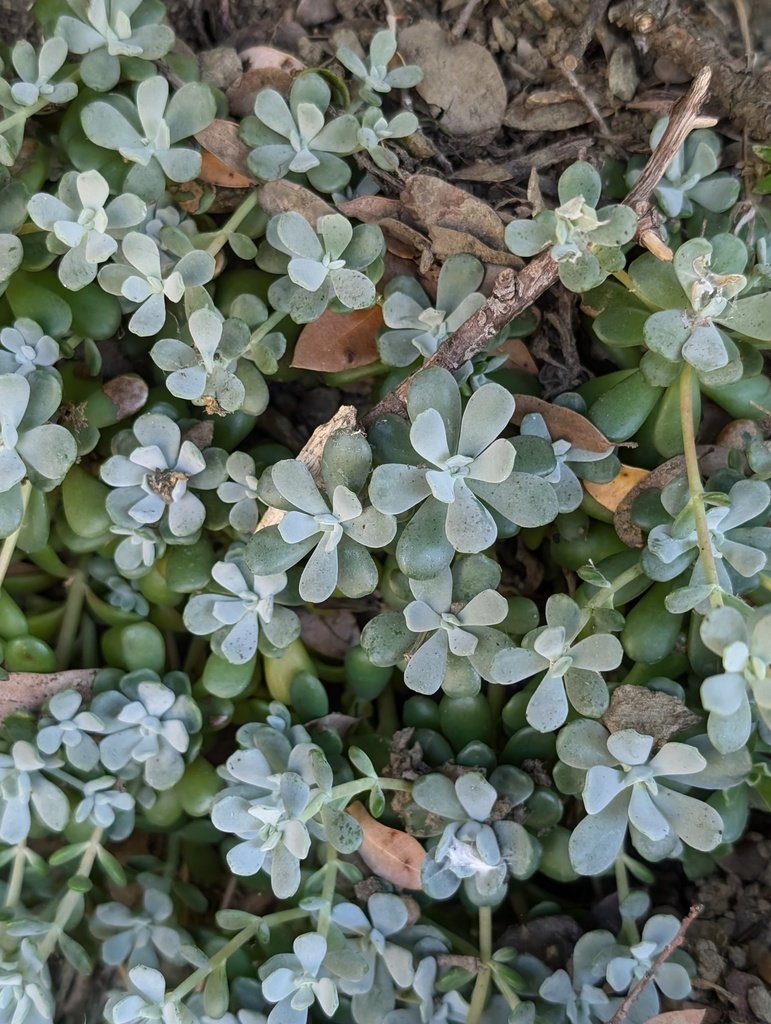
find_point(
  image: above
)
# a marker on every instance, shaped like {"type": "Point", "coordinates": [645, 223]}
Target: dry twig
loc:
{"type": "Point", "coordinates": [512, 294]}
{"type": "Point", "coordinates": [671, 946]}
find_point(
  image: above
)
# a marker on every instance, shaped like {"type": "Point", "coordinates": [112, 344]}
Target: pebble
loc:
{"type": "Point", "coordinates": [759, 1000]}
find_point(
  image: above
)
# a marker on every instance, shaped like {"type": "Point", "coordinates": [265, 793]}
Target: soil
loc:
{"type": "Point", "coordinates": [516, 89]}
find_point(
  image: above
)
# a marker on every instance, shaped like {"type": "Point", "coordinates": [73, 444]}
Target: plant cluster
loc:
{"type": "Point", "coordinates": [197, 564]}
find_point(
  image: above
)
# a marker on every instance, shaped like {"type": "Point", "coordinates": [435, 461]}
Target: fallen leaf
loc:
{"type": "Point", "coordinates": [371, 209]}
{"type": "Point", "coordinates": [330, 635]}
{"type": "Point", "coordinates": [282, 195]}
{"type": "Point", "coordinates": [460, 79]}
{"type": "Point", "coordinates": [519, 357]}
{"type": "Point", "coordinates": [339, 341]}
{"type": "Point", "coordinates": [612, 494]}
{"type": "Point", "coordinates": [627, 530]}
{"type": "Point", "coordinates": [685, 1017]}
{"type": "Point", "coordinates": [548, 117]}
{"type": "Point", "coordinates": [26, 691]}
{"type": "Point", "coordinates": [393, 855]}
{"type": "Point", "coordinates": [563, 424]}
{"type": "Point", "coordinates": [224, 155]}
{"type": "Point", "coordinates": [447, 242]}
{"type": "Point", "coordinates": [433, 202]}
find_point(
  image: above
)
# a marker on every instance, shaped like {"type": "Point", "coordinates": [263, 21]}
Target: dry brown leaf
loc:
{"type": "Point", "coordinates": [557, 117]}
{"type": "Point", "coordinates": [482, 171]}
{"type": "Point", "coordinates": [627, 530]}
{"type": "Point", "coordinates": [371, 209]}
{"type": "Point", "coordinates": [693, 1016]}
{"type": "Point", "coordinates": [393, 855]}
{"type": "Point", "coordinates": [26, 691]}
{"type": "Point", "coordinates": [339, 341]}
{"type": "Point", "coordinates": [282, 195]}
{"type": "Point", "coordinates": [612, 494]}
{"type": "Point", "coordinates": [447, 242]}
{"type": "Point", "coordinates": [519, 357]}
{"type": "Point", "coordinates": [224, 155]}
{"type": "Point", "coordinates": [433, 202]}
{"type": "Point", "coordinates": [330, 634]}
{"type": "Point", "coordinates": [563, 423]}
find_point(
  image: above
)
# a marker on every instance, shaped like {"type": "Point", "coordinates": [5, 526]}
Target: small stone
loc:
{"type": "Point", "coordinates": [759, 1001]}
{"type": "Point", "coordinates": [315, 12]}
{"type": "Point", "coordinates": [220, 67]}
{"type": "Point", "coordinates": [622, 73]}
{"type": "Point", "coordinates": [711, 963]}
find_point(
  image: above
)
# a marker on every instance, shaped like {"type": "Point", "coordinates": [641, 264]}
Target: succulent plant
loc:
{"type": "Point", "coordinates": [82, 227]}
{"type": "Point", "coordinates": [413, 326]}
{"type": "Point", "coordinates": [323, 265]}
{"type": "Point", "coordinates": [148, 725]}
{"type": "Point", "coordinates": [293, 137]}
{"type": "Point", "coordinates": [295, 981]}
{"type": "Point", "coordinates": [103, 31]}
{"type": "Point", "coordinates": [27, 348]}
{"type": "Point", "coordinates": [36, 71]}
{"type": "Point", "coordinates": [336, 534]}
{"type": "Point", "coordinates": [740, 551]}
{"type": "Point", "coordinates": [447, 643]}
{"type": "Point", "coordinates": [584, 242]}
{"type": "Point", "coordinates": [374, 75]}
{"type": "Point", "coordinates": [141, 280]}
{"type": "Point", "coordinates": [152, 483]}
{"type": "Point", "coordinates": [246, 615]}
{"type": "Point", "coordinates": [471, 472]}
{"type": "Point", "coordinates": [146, 133]}
{"type": "Point", "coordinates": [691, 176]}
{"type": "Point", "coordinates": [573, 671]}
{"type": "Point", "coordinates": [69, 727]}
{"type": "Point", "coordinates": [30, 447]}
{"type": "Point", "coordinates": [625, 788]}
{"type": "Point", "coordinates": [742, 641]}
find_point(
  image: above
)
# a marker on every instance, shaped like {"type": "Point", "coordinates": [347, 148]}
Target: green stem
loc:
{"type": "Point", "coordinates": [347, 790]}
{"type": "Point", "coordinates": [629, 933]}
{"type": "Point", "coordinates": [73, 610]}
{"type": "Point", "coordinates": [26, 112]}
{"type": "Point", "coordinates": [506, 990]}
{"type": "Point", "coordinates": [387, 715]}
{"type": "Point", "coordinates": [221, 956]}
{"type": "Point", "coordinates": [626, 280]}
{"type": "Point", "coordinates": [327, 891]}
{"type": "Point", "coordinates": [706, 554]}
{"type": "Point", "coordinates": [13, 893]}
{"type": "Point", "coordinates": [482, 984]}
{"type": "Point", "coordinates": [9, 544]}
{"type": "Point", "coordinates": [233, 221]}
{"type": "Point", "coordinates": [273, 320]}
{"type": "Point", "coordinates": [71, 898]}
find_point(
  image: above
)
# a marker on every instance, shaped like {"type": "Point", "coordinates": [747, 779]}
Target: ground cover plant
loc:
{"type": "Point", "coordinates": [287, 736]}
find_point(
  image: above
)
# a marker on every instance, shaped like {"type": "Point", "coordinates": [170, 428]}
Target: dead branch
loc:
{"type": "Point", "coordinates": [667, 951]}
{"type": "Point", "coordinates": [513, 295]}
{"type": "Point", "coordinates": [664, 28]}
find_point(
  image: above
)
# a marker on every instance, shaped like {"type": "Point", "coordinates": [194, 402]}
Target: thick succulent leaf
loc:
{"type": "Point", "coordinates": [522, 498]}
{"type": "Point", "coordinates": [423, 549]}
{"type": "Point", "coordinates": [460, 275]}
{"type": "Point", "coordinates": [386, 638]}
{"type": "Point", "coordinates": [695, 822]}
{"type": "Point", "coordinates": [527, 237]}
{"type": "Point", "coordinates": [426, 667]}
{"type": "Point", "coordinates": [436, 388]}
{"type": "Point", "coordinates": [597, 840]}
{"type": "Point", "coordinates": [580, 179]}
{"type": "Point", "coordinates": [487, 414]}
